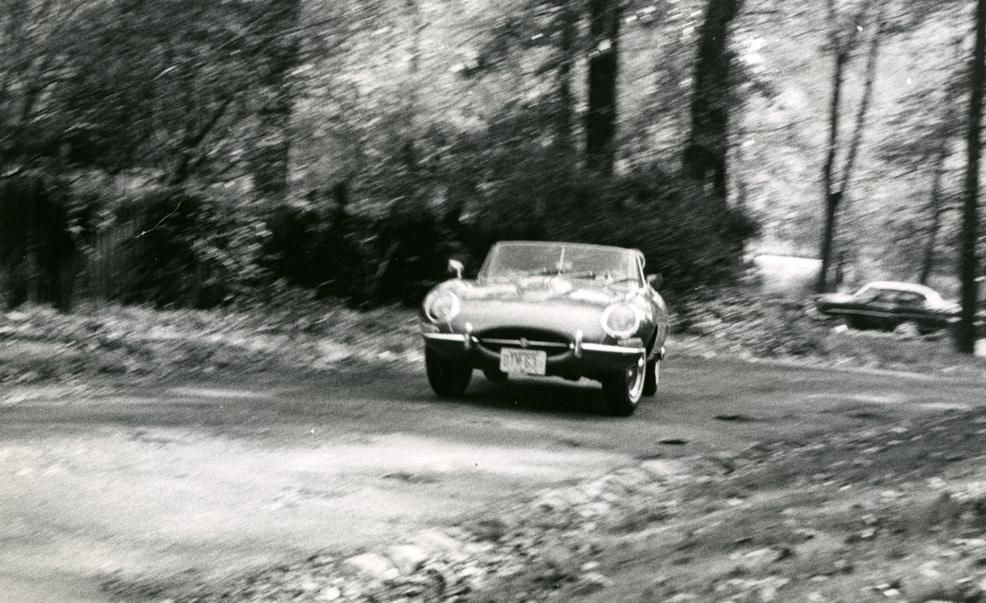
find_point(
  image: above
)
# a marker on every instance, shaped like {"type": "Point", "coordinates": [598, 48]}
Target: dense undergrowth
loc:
{"type": "Point", "coordinates": [184, 247]}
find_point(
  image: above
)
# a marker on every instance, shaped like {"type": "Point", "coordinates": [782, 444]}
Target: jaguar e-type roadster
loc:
{"type": "Point", "coordinates": [549, 309]}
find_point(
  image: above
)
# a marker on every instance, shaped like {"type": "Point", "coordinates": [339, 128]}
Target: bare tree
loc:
{"type": "Point", "coordinates": [835, 186]}
{"type": "Point", "coordinates": [965, 334]}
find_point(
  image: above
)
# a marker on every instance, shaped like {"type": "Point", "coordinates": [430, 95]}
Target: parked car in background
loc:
{"type": "Point", "coordinates": [549, 309]}
{"type": "Point", "coordinates": [891, 305]}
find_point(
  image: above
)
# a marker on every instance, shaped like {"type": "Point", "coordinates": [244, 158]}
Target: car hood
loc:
{"type": "Point", "coordinates": [543, 289]}
{"type": "Point", "coordinates": [554, 303]}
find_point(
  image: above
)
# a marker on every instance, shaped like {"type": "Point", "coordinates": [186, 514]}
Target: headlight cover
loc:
{"type": "Point", "coordinates": [441, 306]}
{"type": "Point", "coordinates": [620, 320]}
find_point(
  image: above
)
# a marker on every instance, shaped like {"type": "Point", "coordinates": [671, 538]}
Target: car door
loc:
{"type": "Point", "coordinates": [912, 306]}
{"type": "Point", "coordinates": [881, 310]}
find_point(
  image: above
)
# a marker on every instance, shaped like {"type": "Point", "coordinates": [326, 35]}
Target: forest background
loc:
{"type": "Point", "coordinates": [194, 153]}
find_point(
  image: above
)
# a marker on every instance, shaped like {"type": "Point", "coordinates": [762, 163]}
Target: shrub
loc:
{"type": "Point", "coordinates": [188, 250]}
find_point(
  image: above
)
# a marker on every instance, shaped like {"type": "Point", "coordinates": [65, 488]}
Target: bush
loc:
{"type": "Point", "coordinates": [188, 250]}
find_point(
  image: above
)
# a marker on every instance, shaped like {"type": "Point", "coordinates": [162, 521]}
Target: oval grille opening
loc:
{"type": "Point", "coordinates": [530, 339]}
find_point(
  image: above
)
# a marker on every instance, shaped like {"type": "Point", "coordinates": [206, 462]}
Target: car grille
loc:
{"type": "Point", "coordinates": [530, 339]}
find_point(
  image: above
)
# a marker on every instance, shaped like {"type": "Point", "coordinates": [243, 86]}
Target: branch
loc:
{"type": "Point", "coordinates": [190, 143]}
{"type": "Point", "coordinates": [864, 104]}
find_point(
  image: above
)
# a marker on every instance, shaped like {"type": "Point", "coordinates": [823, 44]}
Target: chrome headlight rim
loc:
{"type": "Point", "coordinates": [455, 305]}
{"type": "Point", "coordinates": [619, 333]}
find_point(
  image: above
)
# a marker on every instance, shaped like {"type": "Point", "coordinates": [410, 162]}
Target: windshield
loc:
{"type": "Point", "coordinates": [511, 260]}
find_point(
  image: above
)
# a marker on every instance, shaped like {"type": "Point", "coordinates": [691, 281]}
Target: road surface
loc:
{"type": "Point", "coordinates": [188, 482]}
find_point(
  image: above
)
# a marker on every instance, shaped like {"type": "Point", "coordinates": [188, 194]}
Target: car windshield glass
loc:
{"type": "Point", "coordinates": [510, 260]}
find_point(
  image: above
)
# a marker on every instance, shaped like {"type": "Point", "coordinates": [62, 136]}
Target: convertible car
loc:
{"type": "Point", "coordinates": [549, 309]}
{"type": "Point", "coordinates": [891, 306]}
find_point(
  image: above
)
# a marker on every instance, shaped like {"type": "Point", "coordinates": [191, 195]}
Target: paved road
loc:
{"type": "Point", "coordinates": [185, 482]}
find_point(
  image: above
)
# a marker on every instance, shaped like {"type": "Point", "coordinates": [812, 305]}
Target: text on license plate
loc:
{"type": "Point", "coordinates": [531, 362]}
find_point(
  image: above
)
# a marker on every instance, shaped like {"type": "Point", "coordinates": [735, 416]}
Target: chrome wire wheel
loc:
{"type": "Point", "coordinates": [635, 380]}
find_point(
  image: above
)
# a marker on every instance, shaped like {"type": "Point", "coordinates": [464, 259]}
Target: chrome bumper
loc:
{"type": "Point", "coordinates": [571, 360]}
{"type": "Point", "coordinates": [576, 347]}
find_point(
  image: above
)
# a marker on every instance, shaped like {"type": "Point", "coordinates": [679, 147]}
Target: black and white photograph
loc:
{"type": "Point", "coordinates": [492, 301]}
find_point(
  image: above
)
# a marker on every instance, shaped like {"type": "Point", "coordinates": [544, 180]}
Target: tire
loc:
{"type": "Point", "coordinates": [448, 378]}
{"type": "Point", "coordinates": [495, 375]}
{"type": "Point", "coordinates": [652, 377]}
{"type": "Point", "coordinates": [907, 330]}
{"type": "Point", "coordinates": [622, 391]}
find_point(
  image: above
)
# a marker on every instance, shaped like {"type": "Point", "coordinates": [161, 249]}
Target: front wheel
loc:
{"type": "Point", "coordinates": [622, 391]}
{"type": "Point", "coordinates": [447, 377]}
{"type": "Point", "coordinates": [907, 329]}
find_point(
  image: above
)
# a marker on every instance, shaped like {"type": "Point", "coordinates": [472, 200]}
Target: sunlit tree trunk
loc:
{"type": "Point", "coordinates": [834, 189]}
{"type": "Point", "coordinates": [965, 334]}
{"type": "Point", "coordinates": [832, 197]}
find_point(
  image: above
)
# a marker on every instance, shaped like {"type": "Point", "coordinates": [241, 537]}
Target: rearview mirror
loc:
{"type": "Point", "coordinates": [455, 267]}
{"type": "Point", "coordinates": [655, 280]}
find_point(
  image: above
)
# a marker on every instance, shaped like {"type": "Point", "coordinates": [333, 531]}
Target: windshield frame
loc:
{"type": "Point", "coordinates": [636, 278]}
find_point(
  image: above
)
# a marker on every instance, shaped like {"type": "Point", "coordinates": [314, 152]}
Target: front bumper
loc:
{"type": "Point", "coordinates": [571, 360]}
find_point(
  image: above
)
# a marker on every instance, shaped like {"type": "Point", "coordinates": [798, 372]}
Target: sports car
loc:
{"type": "Point", "coordinates": [567, 310]}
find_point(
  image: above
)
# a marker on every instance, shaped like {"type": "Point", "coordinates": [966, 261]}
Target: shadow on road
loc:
{"type": "Point", "coordinates": [552, 396]}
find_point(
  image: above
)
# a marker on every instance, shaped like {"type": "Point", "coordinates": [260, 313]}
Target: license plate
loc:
{"type": "Point", "coordinates": [531, 362]}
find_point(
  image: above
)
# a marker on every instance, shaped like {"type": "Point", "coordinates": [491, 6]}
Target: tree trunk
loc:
{"type": "Point", "coordinates": [831, 197]}
{"type": "Point", "coordinates": [928, 257]}
{"type": "Point", "coordinates": [832, 202]}
{"type": "Point", "coordinates": [568, 25]}
{"type": "Point", "coordinates": [834, 198]}
{"type": "Point", "coordinates": [864, 103]}
{"type": "Point", "coordinates": [600, 126]}
{"type": "Point", "coordinates": [704, 156]}
{"type": "Point", "coordinates": [965, 334]}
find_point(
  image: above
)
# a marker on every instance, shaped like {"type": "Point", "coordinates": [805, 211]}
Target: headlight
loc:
{"type": "Point", "coordinates": [441, 306]}
{"type": "Point", "coordinates": [620, 320]}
